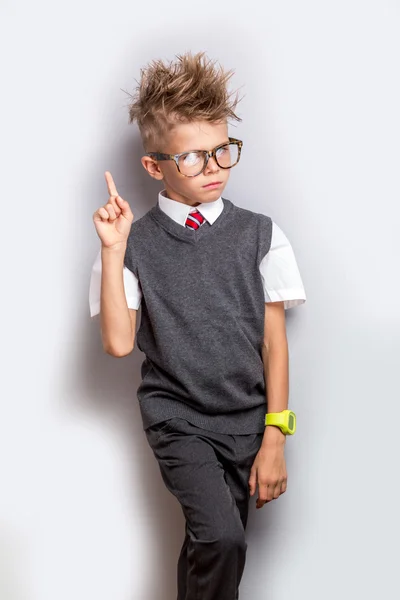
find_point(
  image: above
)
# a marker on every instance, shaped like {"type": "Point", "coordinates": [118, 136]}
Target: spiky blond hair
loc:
{"type": "Point", "coordinates": [189, 89]}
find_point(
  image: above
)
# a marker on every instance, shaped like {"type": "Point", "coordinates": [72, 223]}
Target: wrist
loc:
{"type": "Point", "coordinates": [116, 249]}
{"type": "Point", "coordinates": [273, 435]}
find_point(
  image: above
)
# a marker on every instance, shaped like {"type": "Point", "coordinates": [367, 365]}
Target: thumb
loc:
{"type": "Point", "coordinates": [252, 481]}
{"type": "Point", "coordinates": [124, 206]}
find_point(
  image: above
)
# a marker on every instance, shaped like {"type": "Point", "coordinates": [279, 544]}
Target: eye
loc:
{"type": "Point", "coordinates": [191, 159]}
{"type": "Point", "coordinates": [222, 151]}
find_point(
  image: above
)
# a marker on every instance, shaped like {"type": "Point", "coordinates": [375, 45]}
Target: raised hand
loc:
{"type": "Point", "coordinates": [113, 220]}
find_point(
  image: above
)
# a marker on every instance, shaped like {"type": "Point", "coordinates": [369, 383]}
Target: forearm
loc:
{"type": "Point", "coordinates": [116, 326]}
{"type": "Point", "coordinates": [276, 371]}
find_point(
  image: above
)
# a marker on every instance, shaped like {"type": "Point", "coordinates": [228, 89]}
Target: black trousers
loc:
{"type": "Point", "coordinates": [208, 473]}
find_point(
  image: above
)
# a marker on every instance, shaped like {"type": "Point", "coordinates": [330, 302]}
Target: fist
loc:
{"type": "Point", "coordinates": [113, 220]}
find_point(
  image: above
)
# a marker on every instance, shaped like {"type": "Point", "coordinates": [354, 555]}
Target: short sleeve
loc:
{"type": "Point", "coordinates": [133, 293]}
{"type": "Point", "coordinates": [280, 273]}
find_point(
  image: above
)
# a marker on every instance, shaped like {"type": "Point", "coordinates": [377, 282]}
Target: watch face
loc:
{"type": "Point", "coordinates": [292, 421]}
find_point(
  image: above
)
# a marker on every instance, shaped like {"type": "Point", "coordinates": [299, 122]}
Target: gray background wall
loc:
{"type": "Point", "coordinates": [83, 510]}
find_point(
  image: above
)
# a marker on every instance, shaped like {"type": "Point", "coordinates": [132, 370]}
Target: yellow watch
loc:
{"type": "Point", "coordinates": [285, 420]}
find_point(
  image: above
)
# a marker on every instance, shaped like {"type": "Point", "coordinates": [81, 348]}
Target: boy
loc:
{"type": "Point", "coordinates": [213, 281]}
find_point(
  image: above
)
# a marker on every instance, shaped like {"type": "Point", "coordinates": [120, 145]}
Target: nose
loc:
{"type": "Point", "coordinates": [212, 165]}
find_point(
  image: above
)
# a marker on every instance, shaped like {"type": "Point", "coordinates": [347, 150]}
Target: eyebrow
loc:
{"type": "Point", "coordinates": [203, 150]}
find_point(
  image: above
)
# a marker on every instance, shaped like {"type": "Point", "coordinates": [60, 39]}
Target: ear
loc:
{"type": "Point", "coordinates": [152, 167]}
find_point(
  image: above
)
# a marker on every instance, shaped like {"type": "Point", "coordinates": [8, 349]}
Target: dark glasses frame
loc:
{"type": "Point", "coordinates": [207, 155]}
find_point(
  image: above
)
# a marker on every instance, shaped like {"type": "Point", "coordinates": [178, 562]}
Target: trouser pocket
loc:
{"type": "Point", "coordinates": [160, 428]}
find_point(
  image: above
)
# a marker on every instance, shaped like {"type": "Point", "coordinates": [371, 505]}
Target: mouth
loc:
{"type": "Point", "coordinates": [213, 184]}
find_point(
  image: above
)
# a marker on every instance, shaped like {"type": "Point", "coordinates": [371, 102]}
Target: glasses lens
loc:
{"type": "Point", "coordinates": [227, 155]}
{"type": "Point", "coordinates": [191, 163]}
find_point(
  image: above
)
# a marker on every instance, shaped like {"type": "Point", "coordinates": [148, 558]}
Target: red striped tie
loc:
{"type": "Point", "coordinates": [194, 220]}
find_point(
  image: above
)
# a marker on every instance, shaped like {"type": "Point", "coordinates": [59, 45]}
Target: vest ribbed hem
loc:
{"type": "Point", "coordinates": [157, 409]}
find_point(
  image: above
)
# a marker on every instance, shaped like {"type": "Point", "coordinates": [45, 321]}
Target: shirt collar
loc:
{"type": "Point", "coordinates": [178, 211]}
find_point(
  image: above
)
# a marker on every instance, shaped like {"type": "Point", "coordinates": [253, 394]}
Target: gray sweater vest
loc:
{"type": "Point", "coordinates": [202, 319]}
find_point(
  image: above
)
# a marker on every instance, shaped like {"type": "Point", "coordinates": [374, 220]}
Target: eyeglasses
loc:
{"type": "Point", "coordinates": [194, 162]}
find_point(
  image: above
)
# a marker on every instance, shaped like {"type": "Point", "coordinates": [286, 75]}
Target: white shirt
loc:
{"type": "Point", "coordinates": [279, 271]}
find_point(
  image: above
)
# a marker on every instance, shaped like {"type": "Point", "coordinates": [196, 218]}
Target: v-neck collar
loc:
{"type": "Point", "coordinates": [185, 233]}
{"type": "Point", "coordinates": [179, 211]}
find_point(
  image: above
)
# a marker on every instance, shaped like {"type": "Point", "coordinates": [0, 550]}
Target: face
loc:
{"type": "Point", "coordinates": [199, 135]}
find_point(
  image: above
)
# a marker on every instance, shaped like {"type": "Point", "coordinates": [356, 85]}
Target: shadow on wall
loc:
{"type": "Point", "coordinates": [97, 382]}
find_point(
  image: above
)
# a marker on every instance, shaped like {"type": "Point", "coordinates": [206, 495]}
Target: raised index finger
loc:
{"type": "Point", "coordinates": [112, 190]}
